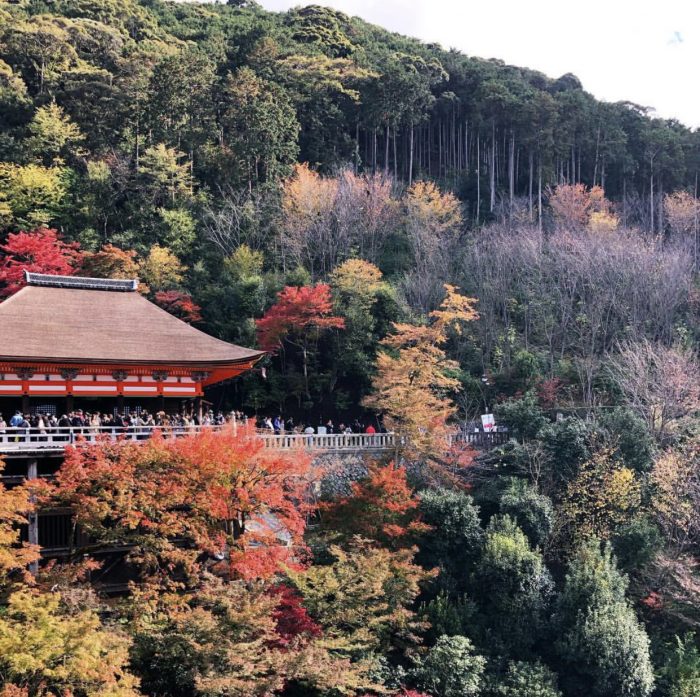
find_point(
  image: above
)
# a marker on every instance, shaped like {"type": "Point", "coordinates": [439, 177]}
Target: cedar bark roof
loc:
{"type": "Point", "coordinates": [86, 325]}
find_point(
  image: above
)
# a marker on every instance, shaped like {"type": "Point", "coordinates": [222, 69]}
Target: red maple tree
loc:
{"type": "Point", "coordinates": [292, 621]}
{"type": "Point", "coordinates": [179, 304]}
{"type": "Point", "coordinates": [298, 318]}
{"type": "Point", "coordinates": [380, 507]}
{"type": "Point", "coordinates": [38, 251]}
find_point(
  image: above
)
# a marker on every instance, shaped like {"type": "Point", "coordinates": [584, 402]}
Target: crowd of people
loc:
{"type": "Point", "coordinates": [141, 421]}
{"type": "Point", "coordinates": [96, 422]}
{"type": "Point", "coordinates": [279, 425]}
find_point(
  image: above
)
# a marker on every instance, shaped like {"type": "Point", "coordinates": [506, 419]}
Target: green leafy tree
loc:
{"type": "Point", "coordinates": [533, 512]}
{"type": "Point", "coordinates": [259, 128]}
{"type": "Point", "coordinates": [366, 301]}
{"type": "Point", "coordinates": [53, 135]}
{"type": "Point", "coordinates": [451, 668]}
{"type": "Point", "coordinates": [165, 178]}
{"type": "Point", "coordinates": [455, 538]}
{"type": "Point", "coordinates": [523, 679]}
{"type": "Point", "coordinates": [522, 415]}
{"type": "Point", "coordinates": [602, 646]}
{"type": "Point", "coordinates": [512, 588]}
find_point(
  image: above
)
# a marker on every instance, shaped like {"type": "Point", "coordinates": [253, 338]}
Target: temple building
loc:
{"type": "Point", "coordinates": [66, 337]}
{"type": "Point", "coordinates": [69, 343]}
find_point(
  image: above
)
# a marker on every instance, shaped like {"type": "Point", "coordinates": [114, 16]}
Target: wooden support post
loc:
{"type": "Point", "coordinates": [69, 403]}
{"type": "Point", "coordinates": [25, 404]}
{"type": "Point", "coordinates": [33, 518]}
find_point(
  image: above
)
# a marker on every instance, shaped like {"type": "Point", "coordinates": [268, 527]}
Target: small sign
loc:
{"type": "Point", "coordinates": [487, 422]}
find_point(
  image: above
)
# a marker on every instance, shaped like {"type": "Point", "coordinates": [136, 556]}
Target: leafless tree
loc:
{"type": "Point", "coordinates": [242, 218]}
{"type": "Point", "coordinates": [661, 382]}
{"type": "Point", "coordinates": [325, 219]}
{"type": "Point", "coordinates": [575, 294]}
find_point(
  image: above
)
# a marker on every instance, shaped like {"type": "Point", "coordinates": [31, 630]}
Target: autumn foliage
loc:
{"type": "Point", "coordinates": [414, 377]}
{"type": "Point", "coordinates": [38, 251]}
{"type": "Point", "coordinates": [298, 311]}
{"type": "Point", "coordinates": [15, 506]}
{"type": "Point", "coordinates": [222, 492]}
{"type": "Point", "coordinates": [110, 262]}
{"type": "Point", "coordinates": [381, 506]}
{"type": "Point", "coordinates": [179, 304]}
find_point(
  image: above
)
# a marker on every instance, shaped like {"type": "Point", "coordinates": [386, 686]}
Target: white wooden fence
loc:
{"type": "Point", "coordinates": [14, 440]}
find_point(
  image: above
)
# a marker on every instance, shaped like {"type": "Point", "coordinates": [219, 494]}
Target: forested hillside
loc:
{"type": "Point", "coordinates": [416, 237]}
{"type": "Point", "coordinates": [162, 137]}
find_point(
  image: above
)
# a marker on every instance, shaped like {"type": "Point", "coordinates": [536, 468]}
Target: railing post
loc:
{"type": "Point", "coordinates": [33, 518]}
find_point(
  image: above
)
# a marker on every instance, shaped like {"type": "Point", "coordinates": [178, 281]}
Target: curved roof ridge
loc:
{"type": "Point", "coordinates": [125, 285]}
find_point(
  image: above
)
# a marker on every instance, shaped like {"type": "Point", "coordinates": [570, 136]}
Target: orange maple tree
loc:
{"type": "Point", "coordinates": [15, 506]}
{"type": "Point", "coordinates": [381, 507]}
{"type": "Point", "coordinates": [414, 377]}
{"type": "Point", "coordinates": [111, 262]}
{"type": "Point", "coordinates": [39, 251]}
{"type": "Point", "coordinates": [169, 501]}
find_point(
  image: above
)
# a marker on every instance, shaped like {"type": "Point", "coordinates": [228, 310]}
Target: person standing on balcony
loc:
{"type": "Point", "coordinates": [16, 420]}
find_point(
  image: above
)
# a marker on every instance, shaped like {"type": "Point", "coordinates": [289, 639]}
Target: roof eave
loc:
{"type": "Point", "coordinates": [253, 357]}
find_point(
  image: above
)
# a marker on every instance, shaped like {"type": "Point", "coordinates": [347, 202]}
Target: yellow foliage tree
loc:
{"type": "Point", "coordinates": [15, 506]}
{"type": "Point", "coordinates": [307, 230]}
{"type": "Point", "coordinates": [31, 195]}
{"type": "Point", "coordinates": [363, 599]}
{"type": "Point", "coordinates": [682, 211]}
{"type": "Point", "coordinates": [413, 378]}
{"type": "Point", "coordinates": [603, 496]}
{"type": "Point", "coordinates": [161, 269]}
{"type": "Point", "coordinates": [676, 500]}
{"type": "Point", "coordinates": [434, 212]}
{"type": "Point", "coordinates": [602, 222]}
{"type": "Point", "coordinates": [358, 278]}
{"type": "Point", "coordinates": [576, 207]}
{"type": "Point", "coordinates": [45, 649]}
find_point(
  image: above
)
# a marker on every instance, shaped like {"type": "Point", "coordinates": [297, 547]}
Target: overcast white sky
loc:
{"type": "Point", "coordinates": [644, 51]}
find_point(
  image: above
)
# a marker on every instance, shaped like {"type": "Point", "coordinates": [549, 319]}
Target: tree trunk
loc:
{"type": "Point", "coordinates": [651, 195]}
{"type": "Point", "coordinates": [530, 183]}
{"type": "Point", "coordinates": [386, 152]}
{"type": "Point", "coordinates": [138, 144]}
{"type": "Point", "coordinates": [478, 179]}
{"type": "Point", "coordinates": [511, 168]}
{"type": "Point", "coordinates": [492, 173]}
{"type": "Point", "coordinates": [539, 190]}
{"type": "Point", "coordinates": [410, 158]}
{"type": "Point", "coordinates": [597, 146]}
{"type": "Point", "coordinates": [695, 226]}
